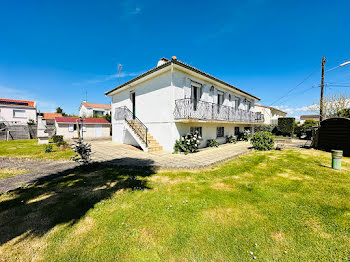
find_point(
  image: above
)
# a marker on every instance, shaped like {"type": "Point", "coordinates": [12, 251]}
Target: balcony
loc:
{"type": "Point", "coordinates": [191, 109]}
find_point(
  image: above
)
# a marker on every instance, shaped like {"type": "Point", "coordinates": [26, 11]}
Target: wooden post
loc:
{"type": "Point", "coordinates": [322, 86]}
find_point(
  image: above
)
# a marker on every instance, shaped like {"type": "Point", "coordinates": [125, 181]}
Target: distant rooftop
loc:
{"type": "Point", "coordinates": [13, 102]}
{"type": "Point", "coordinates": [86, 104]}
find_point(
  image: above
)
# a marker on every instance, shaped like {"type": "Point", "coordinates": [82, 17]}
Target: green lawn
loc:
{"type": "Point", "coordinates": [6, 172]}
{"type": "Point", "coordinates": [282, 206]}
{"type": "Point", "coordinates": [30, 149]}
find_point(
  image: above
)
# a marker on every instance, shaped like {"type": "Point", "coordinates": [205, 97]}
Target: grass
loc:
{"type": "Point", "coordinates": [6, 173]}
{"type": "Point", "coordinates": [30, 149]}
{"type": "Point", "coordinates": [291, 204]}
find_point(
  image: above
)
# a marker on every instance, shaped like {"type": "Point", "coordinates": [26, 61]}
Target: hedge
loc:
{"type": "Point", "coordinates": [286, 125]}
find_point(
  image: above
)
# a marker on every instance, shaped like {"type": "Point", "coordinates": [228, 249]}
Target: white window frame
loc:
{"type": "Point", "coordinates": [19, 110]}
{"type": "Point", "coordinates": [71, 128]}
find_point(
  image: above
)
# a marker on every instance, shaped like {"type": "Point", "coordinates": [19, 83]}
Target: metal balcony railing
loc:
{"type": "Point", "coordinates": [193, 109]}
{"type": "Point", "coordinates": [123, 113]}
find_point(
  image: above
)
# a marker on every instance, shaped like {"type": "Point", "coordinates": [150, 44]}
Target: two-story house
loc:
{"type": "Point", "coordinates": [155, 108]}
{"type": "Point", "coordinates": [14, 112]}
{"type": "Point", "coordinates": [91, 109]}
{"type": "Point", "coordinates": [271, 114]}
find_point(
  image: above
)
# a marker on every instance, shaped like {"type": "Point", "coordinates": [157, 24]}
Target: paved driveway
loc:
{"type": "Point", "coordinates": [119, 154]}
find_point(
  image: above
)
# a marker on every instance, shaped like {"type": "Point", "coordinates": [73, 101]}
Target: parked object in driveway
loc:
{"type": "Point", "coordinates": [89, 128]}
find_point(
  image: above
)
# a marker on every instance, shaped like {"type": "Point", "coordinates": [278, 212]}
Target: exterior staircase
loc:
{"type": "Point", "coordinates": [152, 144]}
{"type": "Point", "coordinates": [138, 130]}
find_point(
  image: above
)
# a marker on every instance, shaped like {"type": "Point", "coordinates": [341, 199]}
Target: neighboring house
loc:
{"type": "Point", "coordinates": [271, 114]}
{"type": "Point", "coordinates": [91, 127]}
{"type": "Point", "coordinates": [91, 109]}
{"type": "Point", "coordinates": [309, 117]}
{"type": "Point", "coordinates": [49, 118]}
{"type": "Point", "coordinates": [173, 99]}
{"type": "Point", "coordinates": [17, 111]}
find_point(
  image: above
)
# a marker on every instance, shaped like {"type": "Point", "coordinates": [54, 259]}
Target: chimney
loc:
{"type": "Point", "coordinates": [162, 61]}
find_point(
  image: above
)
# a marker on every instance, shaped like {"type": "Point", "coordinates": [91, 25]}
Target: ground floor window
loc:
{"type": "Point", "coordinates": [220, 131]}
{"type": "Point", "coordinates": [236, 131]}
{"type": "Point", "coordinates": [193, 129]}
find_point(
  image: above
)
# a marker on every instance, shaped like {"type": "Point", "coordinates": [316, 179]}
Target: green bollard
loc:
{"type": "Point", "coordinates": [336, 159]}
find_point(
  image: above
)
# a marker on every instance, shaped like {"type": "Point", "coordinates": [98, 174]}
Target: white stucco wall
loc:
{"type": "Point", "coordinates": [63, 129]}
{"type": "Point", "coordinates": [88, 112]}
{"type": "Point", "coordinates": [6, 114]}
{"type": "Point", "coordinates": [270, 116]}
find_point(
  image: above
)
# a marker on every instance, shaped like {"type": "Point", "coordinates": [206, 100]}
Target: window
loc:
{"type": "Point", "coordinates": [249, 105]}
{"type": "Point", "coordinates": [229, 97]}
{"type": "Point", "coordinates": [236, 131]}
{"type": "Point", "coordinates": [193, 129]}
{"type": "Point", "coordinates": [220, 131]}
{"type": "Point", "coordinates": [97, 113]}
{"type": "Point", "coordinates": [19, 113]}
{"type": "Point", "coordinates": [220, 98]}
{"type": "Point", "coordinates": [237, 102]}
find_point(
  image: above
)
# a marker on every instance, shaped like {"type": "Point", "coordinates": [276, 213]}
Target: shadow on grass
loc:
{"type": "Point", "coordinates": [67, 196]}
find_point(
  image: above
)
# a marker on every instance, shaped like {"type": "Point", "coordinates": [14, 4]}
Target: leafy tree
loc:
{"type": "Point", "coordinates": [107, 117]}
{"type": "Point", "coordinates": [59, 110]}
{"type": "Point", "coordinates": [344, 113]}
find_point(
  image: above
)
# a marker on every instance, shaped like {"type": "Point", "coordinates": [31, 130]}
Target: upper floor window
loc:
{"type": "Point", "coordinates": [220, 97]}
{"type": "Point", "coordinates": [19, 113]}
{"type": "Point", "coordinates": [237, 102]}
{"type": "Point", "coordinates": [249, 105]}
{"type": "Point", "coordinates": [196, 91]}
{"type": "Point", "coordinates": [229, 97]}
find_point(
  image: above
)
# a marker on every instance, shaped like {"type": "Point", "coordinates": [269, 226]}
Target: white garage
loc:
{"type": "Point", "coordinates": [90, 128]}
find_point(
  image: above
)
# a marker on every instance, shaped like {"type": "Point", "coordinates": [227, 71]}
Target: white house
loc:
{"type": "Point", "coordinates": [271, 114]}
{"type": "Point", "coordinates": [157, 107]}
{"type": "Point", "coordinates": [92, 109]}
{"type": "Point", "coordinates": [303, 118]}
{"type": "Point", "coordinates": [91, 127]}
{"type": "Point", "coordinates": [17, 111]}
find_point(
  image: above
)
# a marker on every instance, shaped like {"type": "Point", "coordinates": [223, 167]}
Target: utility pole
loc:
{"type": "Point", "coordinates": [322, 86]}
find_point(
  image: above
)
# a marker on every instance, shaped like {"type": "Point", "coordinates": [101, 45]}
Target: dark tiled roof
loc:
{"type": "Point", "coordinates": [174, 61]}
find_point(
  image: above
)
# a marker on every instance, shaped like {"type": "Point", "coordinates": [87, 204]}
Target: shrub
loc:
{"type": "Point", "coordinates": [56, 139]}
{"type": "Point", "coordinates": [231, 139]}
{"type": "Point", "coordinates": [82, 152]}
{"type": "Point", "coordinates": [48, 149]}
{"type": "Point", "coordinates": [263, 141]}
{"type": "Point", "coordinates": [244, 136]}
{"type": "Point", "coordinates": [212, 143]}
{"type": "Point", "coordinates": [61, 143]}
{"type": "Point", "coordinates": [188, 143]}
{"type": "Point", "coordinates": [286, 125]}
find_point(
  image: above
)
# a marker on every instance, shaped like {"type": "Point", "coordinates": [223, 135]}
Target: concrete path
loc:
{"type": "Point", "coordinates": [38, 169]}
{"type": "Point", "coordinates": [124, 155]}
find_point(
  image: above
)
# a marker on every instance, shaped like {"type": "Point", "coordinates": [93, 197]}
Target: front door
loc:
{"type": "Point", "coordinates": [133, 105]}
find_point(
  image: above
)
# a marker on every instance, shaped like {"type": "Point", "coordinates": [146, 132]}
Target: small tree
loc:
{"type": "Point", "coordinates": [334, 105]}
{"type": "Point", "coordinates": [82, 152]}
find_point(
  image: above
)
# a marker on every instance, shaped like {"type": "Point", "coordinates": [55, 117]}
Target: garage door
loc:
{"type": "Point", "coordinates": [98, 130]}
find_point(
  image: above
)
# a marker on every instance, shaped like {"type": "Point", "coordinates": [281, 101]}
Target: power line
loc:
{"type": "Point", "coordinates": [296, 86]}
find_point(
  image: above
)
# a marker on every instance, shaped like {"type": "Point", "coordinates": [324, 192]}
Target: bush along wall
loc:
{"type": "Point", "coordinates": [286, 125]}
{"type": "Point", "coordinates": [188, 143]}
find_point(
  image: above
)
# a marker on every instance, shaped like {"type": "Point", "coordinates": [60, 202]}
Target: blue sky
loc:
{"type": "Point", "coordinates": [55, 51]}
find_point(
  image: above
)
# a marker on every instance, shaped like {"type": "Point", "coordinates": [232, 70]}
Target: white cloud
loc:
{"type": "Point", "coordinates": [105, 78]}
{"type": "Point", "coordinates": [13, 93]}
{"type": "Point", "coordinates": [297, 111]}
